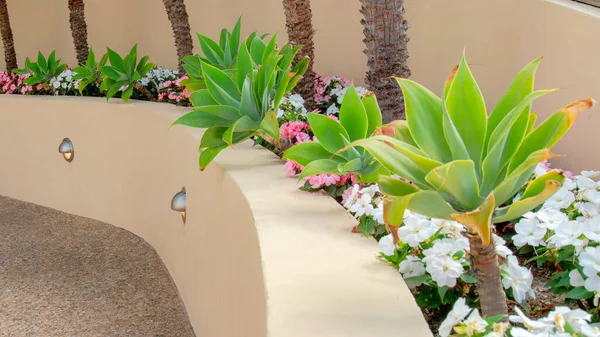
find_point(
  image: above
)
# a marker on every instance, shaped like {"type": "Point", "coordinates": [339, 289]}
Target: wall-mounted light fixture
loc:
{"type": "Point", "coordinates": [67, 150]}
{"type": "Point", "coordinates": [178, 203]}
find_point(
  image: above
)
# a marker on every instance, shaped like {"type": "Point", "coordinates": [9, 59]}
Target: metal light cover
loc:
{"type": "Point", "coordinates": [67, 150]}
{"type": "Point", "coordinates": [178, 203]}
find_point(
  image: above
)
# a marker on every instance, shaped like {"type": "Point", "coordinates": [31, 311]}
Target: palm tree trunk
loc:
{"type": "Point", "coordinates": [10, 57]}
{"type": "Point", "coordinates": [298, 22]}
{"type": "Point", "coordinates": [387, 54]}
{"type": "Point", "coordinates": [177, 14]}
{"type": "Point", "coordinates": [78, 29]}
{"type": "Point", "coordinates": [489, 282]}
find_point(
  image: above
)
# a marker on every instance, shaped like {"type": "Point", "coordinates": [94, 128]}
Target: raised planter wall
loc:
{"type": "Point", "coordinates": [256, 257]}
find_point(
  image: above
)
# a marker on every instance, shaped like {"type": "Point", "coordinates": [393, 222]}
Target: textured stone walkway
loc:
{"type": "Point", "coordinates": [64, 275]}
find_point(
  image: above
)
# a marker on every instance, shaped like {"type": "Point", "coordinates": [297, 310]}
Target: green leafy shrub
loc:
{"type": "Point", "coordinates": [90, 72]}
{"type": "Point", "coordinates": [358, 119]}
{"type": "Point", "coordinates": [123, 74]}
{"type": "Point", "coordinates": [236, 106]}
{"type": "Point", "coordinates": [43, 70]}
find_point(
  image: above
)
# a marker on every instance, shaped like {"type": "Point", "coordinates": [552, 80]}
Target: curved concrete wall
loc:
{"type": "Point", "coordinates": [257, 257]}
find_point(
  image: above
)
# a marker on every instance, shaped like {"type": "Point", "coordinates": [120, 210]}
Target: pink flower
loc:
{"type": "Point", "coordinates": [185, 94]}
{"type": "Point", "coordinates": [292, 168]}
{"type": "Point", "coordinates": [351, 177]}
{"type": "Point", "coordinates": [568, 174]}
{"type": "Point", "coordinates": [302, 137]}
{"type": "Point", "coordinates": [346, 195]}
{"type": "Point", "coordinates": [291, 129]}
{"type": "Point", "coordinates": [330, 179]}
{"type": "Point", "coordinates": [315, 181]}
{"type": "Point", "coordinates": [333, 117]}
{"type": "Point", "coordinates": [166, 84]}
{"type": "Point", "coordinates": [162, 96]}
{"type": "Point", "coordinates": [179, 80]}
{"type": "Point", "coordinates": [172, 96]}
{"type": "Point", "coordinates": [39, 87]}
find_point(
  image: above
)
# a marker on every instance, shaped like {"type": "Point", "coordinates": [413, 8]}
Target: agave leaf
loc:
{"type": "Point", "coordinates": [307, 152]}
{"type": "Point", "coordinates": [395, 187]}
{"type": "Point", "coordinates": [515, 180]}
{"type": "Point", "coordinates": [369, 101]}
{"type": "Point", "coordinates": [248, 106]}
{"type": "Point", "coordinates": [320, 166]}
{"type": "Point", "coordinates": [242, 124]}
{"type": "Point", "coordinates": [353, 115]}
{"type": "Point", "coordinates": [207, 156]}
{"type": "Point", "coordinates": [353, 165]}
{"type": "Point", "coordinates": [424, 116]}
{"type": "Point", "coordinates": [521, 87]}
{"type": "Point", "coordinates": [244, 65]}
{"type": "Point", "coordinates": [550, 131]}
{"type": "Point", "coordinates": [479, 220]}
{"type": "Point", "coordinates": [459, 180]}
{"type": "Point", "coordinates": [330, 133]}
{"type": "Point", "coordinates": [202, 97]}
{"type": "Point", "coordinates": [235, 36]}
{"type": "Point", "coordinates": [212, 51]}
{"type": "Point", "coordinates": [536, 186]}
{"type": "Point", "coordinates": [465, 99]}
{"type": "Point", "coordinates": [397, 129]}
{"type": "Point", "coordinates": [531, 122]}
{"type": "Point", "coordinates": [209, 116]}
{"type": "Point", "coordinates": [455, 141]}
{"type": "Point", "coordinates": [221, 87]}
{"type": "Point", "coordinates": [270, 125]}
{"type": "Point", "coordinates": [502, 147]}
{"type": "Point", "coordinates": [524, 205]}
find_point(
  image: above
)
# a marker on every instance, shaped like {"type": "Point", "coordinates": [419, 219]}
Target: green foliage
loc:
{"type": "Point", "coordinates": [123, 73]}
{"type": "Point", "coordinates": [240, 104]}
{"type": "Point", "coordinates": [222, 55]}
{"type": "Point", "coordinates": [43, 70]}
{"type": "Point", "coordinates": [358, 119]}
{"type": "Point", "coordinates": [90, 72]}
{"type": "Point", "coordinates": [464, 163]}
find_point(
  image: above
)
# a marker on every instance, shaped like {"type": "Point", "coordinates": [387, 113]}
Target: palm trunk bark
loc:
{"type": "Point", "coordinates": [78, 29]}
{"type": "Point", "coordinates": [144, 91]}
{"type": "Point", "coordinates": [178, 16]}
{"type": "Point", "coordinates": [387, 54]}
{"type": "Point", "coordinates": [489, 282]}
{"type": "Point", "coordinates": [298, 22]}
{"type": "Point", "coordinates": [10, 57]}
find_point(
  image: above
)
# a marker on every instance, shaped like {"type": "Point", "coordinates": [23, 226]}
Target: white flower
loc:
{"type": "Point", "coordinates": [340, 94]}
{"type": "Point", "coordinates": [386, 245]}
{"type": "Point", "coordinates": [333, 109]}
{"type": "Point", "coordinates": [590, 261]}
{"type": "Point", "coordinates": [575, 278]}
{"type": "Point", "coordinates": [529, 232]}
{"type": "Point", "coordinates": [448, 246]}
{"type": "Point", "coordinates": [64, 85]}
{"type": "Point", "coordinates": [144, 81]}
{"type": "Point", "coordinates": [584, 181]}
{"type": "Point", "coordinates": [528, 323]}
{"type": "Point", "coordinates": [56, 84]}
{"type": "Point", "coordinates": [498, 329]}
{"type": "Point", "coordinates": [591, 195]}
{"type": "Point", "coordinates": [445, 270]}
{"type": "Point", "coordinates": [370, 190]}
{"type": "Point", "coordinates": [297, 102]}
{"type": "Point", "coordinates": [415, 231]}
{"type": "Point", "coordinates": [569, 184]}
{"type": "Point", "coordinates": [519, 279]}
{"type": "Point", "coordinates": [551, 218]}
{"type": "Point", "coordinates": [568, 234]}
{"type": "Point", "coordinates": [459, 311]}
{"type": "Point", "coordinates": [450, 227]}
{"type": "Point", "coordinates": [353, 196]}
{"type": "Point", "coordinates": [588, 209]}
{"type": "Point", "coordinates": [412, 267]}
{"type": "Point", "coordinates": [475, 323]}
{"type": "Point", "coordinates": [501, 248]}
{"type": "Point", "coordinates": [377, 213]}
{"type": "Point", "coordinates": [592, 284]}
{"type": "Point", "coordinates": [361, 91]}
{"type": "Point", "coordinates": [561, 199]}
{"type": "Point", "coordinates": [362, 206]}
{"type": "Point", "coordinates": [560, 316]}
{"type": "Point", "coordinates": [591, 228]}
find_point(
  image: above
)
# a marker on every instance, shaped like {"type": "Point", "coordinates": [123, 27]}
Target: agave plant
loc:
{"type": "Point", "coordinates": [124, 73]}
{"type": "Point", "coordinates": [358, 119]}
{"type": "Point", "coordinates": [89, 72]}
{"type": "Point", "coordinates": [222, 55]}
{"type": "Point", "coordinates": [43, 70]}
{"type": "Point", "coordinates": [236, 106]}
{"type": "Point", "coordinates": [465, 165]}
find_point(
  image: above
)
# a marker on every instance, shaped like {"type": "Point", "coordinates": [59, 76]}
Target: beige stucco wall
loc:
{"type": "Point", "coordinates": [500, 37]}
{"type": "Point", "coordinates": [257, 257]}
